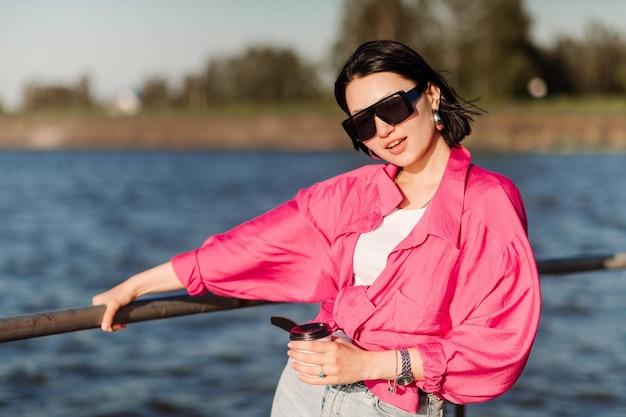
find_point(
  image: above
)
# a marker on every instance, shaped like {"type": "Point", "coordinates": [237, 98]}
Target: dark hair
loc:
{"type": "Point", "coordinates": [390, 56]}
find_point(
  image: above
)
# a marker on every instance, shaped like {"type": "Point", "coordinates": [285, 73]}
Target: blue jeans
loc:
{"type": "Point", "coordinates": [294, 398]}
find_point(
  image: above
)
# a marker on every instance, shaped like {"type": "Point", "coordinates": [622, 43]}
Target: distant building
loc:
{"type": "Point", "coordinates": [126, 103]}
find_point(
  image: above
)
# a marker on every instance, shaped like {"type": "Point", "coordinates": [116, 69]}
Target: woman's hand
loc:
{"type": "Point", "coordinates": [339, 362]}
{"type": "Point", "coordinates": [113, 299]}
{"type": "Point", "coordinates": [161, 278]}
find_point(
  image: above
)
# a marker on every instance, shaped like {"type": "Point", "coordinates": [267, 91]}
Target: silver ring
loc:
{"type": "Point", "coordinates": [321, 374]}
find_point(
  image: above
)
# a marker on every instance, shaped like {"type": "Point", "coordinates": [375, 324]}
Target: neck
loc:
{"type": "Point", "coordinates": [429, 168]}
{"type": "Point", "coordinates": [419, 184]}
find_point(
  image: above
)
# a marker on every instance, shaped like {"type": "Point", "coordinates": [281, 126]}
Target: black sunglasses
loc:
{"type": "Point", "coordinates": [393, 109]}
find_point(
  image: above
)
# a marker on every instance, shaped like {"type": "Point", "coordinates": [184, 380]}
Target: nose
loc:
{"type": "Point", "coordinates": [383, 129]}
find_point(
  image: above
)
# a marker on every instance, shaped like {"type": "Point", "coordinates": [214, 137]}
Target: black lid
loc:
{"type": "Point", "coordinates": [310, 331]}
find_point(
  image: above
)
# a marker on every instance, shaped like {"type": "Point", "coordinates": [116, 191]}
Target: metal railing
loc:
{"type": "Point", "coordinates": [83, 318]}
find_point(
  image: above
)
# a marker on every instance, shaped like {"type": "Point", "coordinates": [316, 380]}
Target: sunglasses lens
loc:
{"type": "Point", "coordinates": [392, 110]}
{"type": "Point", "coordinates": [364, 126]}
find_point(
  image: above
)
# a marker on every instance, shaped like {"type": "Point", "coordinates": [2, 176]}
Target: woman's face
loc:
{"type": "Point", "coordinates": [409, 142]}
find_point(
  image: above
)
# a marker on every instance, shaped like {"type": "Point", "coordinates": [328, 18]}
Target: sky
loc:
{"type": "Point", "coordinates": [120, 43]}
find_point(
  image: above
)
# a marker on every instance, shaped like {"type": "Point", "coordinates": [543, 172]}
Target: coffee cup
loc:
{"type": "Point", "coordinates": [321, 332]}
{"type": "Point", "coordinates": [311, 331]}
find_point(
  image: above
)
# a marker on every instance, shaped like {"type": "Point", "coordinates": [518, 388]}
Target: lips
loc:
{"type": "Point", "coordinates": [393, 144]}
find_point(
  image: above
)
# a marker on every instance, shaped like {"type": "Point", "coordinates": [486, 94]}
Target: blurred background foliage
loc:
{"type": "Point", "coordinates": [484, 46]}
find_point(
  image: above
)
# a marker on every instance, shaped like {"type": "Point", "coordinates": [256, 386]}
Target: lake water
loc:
{"type": "Point", "coordinates": [76, 223]}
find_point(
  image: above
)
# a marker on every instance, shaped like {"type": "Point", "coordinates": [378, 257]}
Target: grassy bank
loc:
{"type": "Point", "coordinates": [543, 126]}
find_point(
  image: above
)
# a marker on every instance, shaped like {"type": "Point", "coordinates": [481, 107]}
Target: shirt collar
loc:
{"type": "Point", "coordinates": [443, 217]}
{"type": "Point", "coordinates": [390, 196]}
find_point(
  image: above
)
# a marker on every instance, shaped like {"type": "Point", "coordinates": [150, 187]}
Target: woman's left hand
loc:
{"type": "Point", "coordinates": [336, 362]}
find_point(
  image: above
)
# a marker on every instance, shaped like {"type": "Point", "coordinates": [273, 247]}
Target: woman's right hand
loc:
{"type": "Point", "coordinates": [113, 299]}
{"type": "Point", "coordinates": [161, 278]}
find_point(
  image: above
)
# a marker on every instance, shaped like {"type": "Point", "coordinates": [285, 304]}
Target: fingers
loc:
{"type": "Point", "coordinates": [306, 358]}
{"type": "Point", "coordinates": [314, 374]}
{"type": "Point", "coordinates": [116, 327]}
{"type": "Point", "coordinates": [308, 370]}
{"type": "Point", "coordinates": [107, 318]}
{"type": "Point", "coordinates": [311, 346]}
{"type": "Point", "coordinates": [312, 361]}
{"type": "Point", "coordinates": [112, 304]}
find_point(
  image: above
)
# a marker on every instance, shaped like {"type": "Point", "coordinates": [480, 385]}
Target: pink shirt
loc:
{"type": "Point", "coordinates": [462, 288]}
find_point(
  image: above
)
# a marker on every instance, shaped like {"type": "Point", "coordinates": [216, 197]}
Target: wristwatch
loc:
{"type": "Point", "coordinates": [406, 376]}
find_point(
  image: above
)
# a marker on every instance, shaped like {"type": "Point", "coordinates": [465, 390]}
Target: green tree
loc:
{"type": "Point", "coordinates": [409, 22]}
{"type": "Point", "coordinates": [155, 93]}
{"type": "Point", "coordinates": [484, 45]}
{"type": "Point", "coordinates": [260, 74]}
{"type": "Point", "coordinates": [49, 97]}
{"type": "Point", "coordinates": [194, 92]}
{"type": "Point", "coordinates": [270, 74]}
{"type": "Point", "coordinates": [497, 56]}
{"type": "Point", "coordinates": [594, 65]}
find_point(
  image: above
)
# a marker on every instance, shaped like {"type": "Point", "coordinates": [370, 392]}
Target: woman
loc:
{"type": "Point", "coordinates": [424, 262]}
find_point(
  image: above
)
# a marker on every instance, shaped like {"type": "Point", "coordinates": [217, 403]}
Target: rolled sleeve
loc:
{"type": "Point", "coordinates": [185, 267]}
{"type": "Point", "coordinates": [435, 366]}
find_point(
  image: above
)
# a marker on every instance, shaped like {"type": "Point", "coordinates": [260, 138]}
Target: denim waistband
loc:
{"type": "Point", "coordinates": [422, 407]}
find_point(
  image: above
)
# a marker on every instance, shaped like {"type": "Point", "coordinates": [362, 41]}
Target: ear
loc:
{"type": "Point", "coordinates": [433, 92]}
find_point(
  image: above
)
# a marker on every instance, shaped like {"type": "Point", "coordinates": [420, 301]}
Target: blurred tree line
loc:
{"type": "Point", "coordinates": [484, 46]}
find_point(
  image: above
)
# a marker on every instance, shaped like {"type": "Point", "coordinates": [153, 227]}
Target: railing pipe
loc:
{"type": "Point", "coordinates": [582, 263]}
{"type": "Point", "coordinates": [62, 321]}
{"type": "Point", "coordinates": [83, 318]}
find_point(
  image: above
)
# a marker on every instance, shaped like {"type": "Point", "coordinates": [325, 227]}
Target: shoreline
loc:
{"type": "Point", "coordinates": [503, 131]}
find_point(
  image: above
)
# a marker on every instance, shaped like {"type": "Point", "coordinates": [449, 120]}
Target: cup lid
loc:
{"type": "Point", "coordinates": [310, 331]}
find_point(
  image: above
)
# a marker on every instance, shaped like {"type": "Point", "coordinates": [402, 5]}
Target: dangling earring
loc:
{"type": "Point", "coordinates": [438, 121]}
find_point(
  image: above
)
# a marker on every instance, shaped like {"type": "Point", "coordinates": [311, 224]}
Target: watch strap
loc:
{"type": "Point", "coordinates": [406, 376]}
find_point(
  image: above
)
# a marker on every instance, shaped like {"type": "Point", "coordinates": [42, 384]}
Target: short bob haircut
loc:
{"type": "Point", "coordinates": [390, 56]}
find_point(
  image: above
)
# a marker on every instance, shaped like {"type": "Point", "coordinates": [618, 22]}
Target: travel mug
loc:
{"type": "Point", "coordinates": [311, 331]}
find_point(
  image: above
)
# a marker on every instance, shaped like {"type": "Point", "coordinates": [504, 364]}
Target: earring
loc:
{"type": "Point", "coordinates": [438, 121]}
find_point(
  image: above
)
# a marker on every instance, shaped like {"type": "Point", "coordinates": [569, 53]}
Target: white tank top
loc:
{"type": "Point", "coordinates": [373, 248]}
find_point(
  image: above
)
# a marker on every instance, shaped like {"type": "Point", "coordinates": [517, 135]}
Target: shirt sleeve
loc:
{"type": "Point", "coordinates": [278, 256]}
{"type": "Point", "coordinates": [484, 355]}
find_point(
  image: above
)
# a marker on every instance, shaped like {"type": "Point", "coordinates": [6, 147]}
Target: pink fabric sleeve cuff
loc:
{"type": "Point", "coordinates": [434, 362]}
{"type": "Point", "coordinates": [187, 271]}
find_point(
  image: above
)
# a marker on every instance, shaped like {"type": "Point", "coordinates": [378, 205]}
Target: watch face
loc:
{"type": "Point", "coordinates": [403, 380]}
